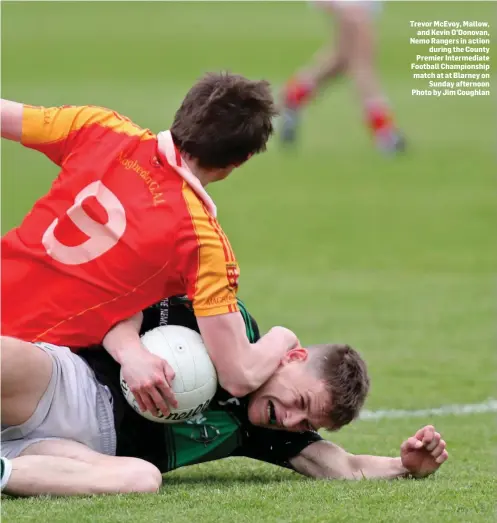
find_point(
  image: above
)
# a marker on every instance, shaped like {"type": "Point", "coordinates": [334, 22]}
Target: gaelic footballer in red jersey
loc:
{"type": "Point", "coordinates": [128, 222]}
{"type": "Point", "coordinates": [124, 222]}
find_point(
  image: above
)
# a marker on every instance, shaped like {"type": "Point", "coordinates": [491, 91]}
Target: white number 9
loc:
{"type": "Point", "coordinates": [101, 237]}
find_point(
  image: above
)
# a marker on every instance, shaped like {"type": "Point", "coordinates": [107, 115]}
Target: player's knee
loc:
{"type": "Point", "coordinates": [25, 374]}
{"type": "Point", "coordinates": [141, 476]}
{"type": "Point", "coordinates": [11, 350]}
{"type": "Point", "coordinates": [13, 353]}
{"type": "Point", "coordinates": [8, 346]}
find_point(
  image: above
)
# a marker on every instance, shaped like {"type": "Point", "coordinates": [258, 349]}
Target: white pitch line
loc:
{"type": "Point", "coordinates": [445, 410]}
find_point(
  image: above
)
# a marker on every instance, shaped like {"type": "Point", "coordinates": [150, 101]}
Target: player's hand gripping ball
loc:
{"type": "Point", "coordinates": [195, 382]}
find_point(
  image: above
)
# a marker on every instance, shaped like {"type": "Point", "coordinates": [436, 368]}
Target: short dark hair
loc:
{"type": "Point", "coordinates": [224, 119]}
{"type": "Point", "coordinates": [346, 376]}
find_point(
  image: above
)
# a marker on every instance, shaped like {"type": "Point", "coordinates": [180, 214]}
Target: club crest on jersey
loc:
{"type": "Point", "coordinates": [233, 273]}
{"type": "Point", "coordinates": [205, 434]}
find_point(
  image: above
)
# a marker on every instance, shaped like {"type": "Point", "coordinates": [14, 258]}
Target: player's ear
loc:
{"type": "Point", "coordinates": [298, 354]}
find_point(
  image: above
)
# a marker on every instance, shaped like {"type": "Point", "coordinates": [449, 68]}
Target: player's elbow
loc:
{"type": "Point", "coordinates": [236, 390]}
{"type": "Point", "coordinates": [347, 469]}
{"type": "Point", "coordinates": [11, 120]}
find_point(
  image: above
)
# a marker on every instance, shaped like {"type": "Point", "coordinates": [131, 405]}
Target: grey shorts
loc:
{"type": "Point", "coordinates": [75, 407]}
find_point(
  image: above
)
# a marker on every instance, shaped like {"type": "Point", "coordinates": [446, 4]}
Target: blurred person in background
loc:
{"type": "Point", "coordinates": [352, 54]}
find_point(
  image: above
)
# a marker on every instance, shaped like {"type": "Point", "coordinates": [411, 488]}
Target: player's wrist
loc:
{"type": "Point", "coordinates": [404, 473]}
{"type": "Point", "coordinates": [129, 354]}
{"type": "Point", "coordinates": [399, 469]}
{"type": "Point", "coordinates": [124, 347]}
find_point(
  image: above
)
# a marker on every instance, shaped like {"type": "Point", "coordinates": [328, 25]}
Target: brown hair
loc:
{"type": "Point", "coordinates": [224, 119]}
{"type": "Point", "coordinates": [346, 377]}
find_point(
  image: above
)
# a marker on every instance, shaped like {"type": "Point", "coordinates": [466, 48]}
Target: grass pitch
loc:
{"type": "Point", "coordinates": [396, 256]}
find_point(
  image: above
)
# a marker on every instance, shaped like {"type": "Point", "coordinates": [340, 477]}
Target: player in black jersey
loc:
{"type": "Point", "coordinates": [221, 431]}
{"type": "Point", "coordinates": [230, 427]}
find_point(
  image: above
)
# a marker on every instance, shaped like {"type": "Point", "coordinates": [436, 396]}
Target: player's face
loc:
{"type": "Point", "coordinates": [292, 399]}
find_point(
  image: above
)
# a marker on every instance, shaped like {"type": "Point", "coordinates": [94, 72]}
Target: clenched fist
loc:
{"type": "Point", "coordinates": [423, 453]}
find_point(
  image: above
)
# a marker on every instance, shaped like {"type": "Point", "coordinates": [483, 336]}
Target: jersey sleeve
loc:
{"type": "Point", "coordinates": [178, 310]}
{"type": "Point", "coordinates": [211, 269]}
{"type": "Point", "coordinates": [55, 131]}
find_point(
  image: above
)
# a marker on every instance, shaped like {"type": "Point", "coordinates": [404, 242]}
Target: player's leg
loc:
{"type": "Point", "coordinates": [26, 372]}
{"type": "Point", "coordinates": [65, 441]}
{"type": "Point", "coordinates": [328, 63]}
{"type": "Point", "coordinates": [65, 468]}
{"type": "Point", "coordinates": [73, 405]}
{"type": "Point", "coordinates": [355, 21]}
{"type": "Point", "coordinates": [353, 54]}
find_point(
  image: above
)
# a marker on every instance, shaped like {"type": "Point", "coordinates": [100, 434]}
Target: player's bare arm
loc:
{"type": "Point", "coordinates": [243, 367]}
{"type": "Point", "coordinates": [420, 455]}
{"type": "Point", "coordinates": [11, 120]}
{"type": "Point", "coordinates": [143, 371]}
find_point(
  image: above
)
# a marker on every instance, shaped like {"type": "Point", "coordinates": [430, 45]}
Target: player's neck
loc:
{"type": "Point", "coordinates": [204, 176]}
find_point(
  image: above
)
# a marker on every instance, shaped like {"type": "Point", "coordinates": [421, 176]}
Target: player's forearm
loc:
{"type": "Point", "coordinates": [243, 367]}
{"type": "Point", "coordinates": [258, 362]}
{"type": "Point", "coordinates": [355, 468]}
{"type": "Point", "coordinates": [123, 339]}
{"type": "Point", "coordinates": [11, 120]}
{"type": "Point", "coordinates": [265, 356]}
{"type": "Point", "coordinates": [377, 467]}
{"type": "Point", "coordinates": [325, 460]}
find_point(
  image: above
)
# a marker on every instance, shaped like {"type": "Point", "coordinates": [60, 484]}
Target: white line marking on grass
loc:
{"type": "Point", "coordinates": [445, 410]}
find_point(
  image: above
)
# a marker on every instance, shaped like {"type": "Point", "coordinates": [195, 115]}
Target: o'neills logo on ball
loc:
{"type": "Point", "coordinates": [176, 416]}
{"type": "Point", "coordinates": [124, 385]}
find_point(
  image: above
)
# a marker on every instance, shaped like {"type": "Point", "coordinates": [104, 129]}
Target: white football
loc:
{"type": "Point", "coordinates": [195, 382]}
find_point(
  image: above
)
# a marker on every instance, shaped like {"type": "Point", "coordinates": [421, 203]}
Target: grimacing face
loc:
{"type": "Point", "coordinates": [293, 399]}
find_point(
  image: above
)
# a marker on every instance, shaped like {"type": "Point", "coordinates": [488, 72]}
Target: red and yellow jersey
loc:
{"type": "Point", "coordinates": [119, 230]}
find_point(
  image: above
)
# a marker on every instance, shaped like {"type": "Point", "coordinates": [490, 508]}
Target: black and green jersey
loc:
{"type": "Point", "coordinates": [221, 431]}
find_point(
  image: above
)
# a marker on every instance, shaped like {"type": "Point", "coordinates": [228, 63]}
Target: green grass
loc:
{"type": "Point", "coordinates": [394, 255]}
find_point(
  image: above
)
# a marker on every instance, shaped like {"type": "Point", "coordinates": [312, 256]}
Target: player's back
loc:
{"type": "Point", "coordinates": [97, 248]}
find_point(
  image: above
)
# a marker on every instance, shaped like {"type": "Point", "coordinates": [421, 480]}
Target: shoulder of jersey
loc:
{"type": "Point", "coordinates": [115, 122]}
{"type": "Point", "coordinates": [197, 210]}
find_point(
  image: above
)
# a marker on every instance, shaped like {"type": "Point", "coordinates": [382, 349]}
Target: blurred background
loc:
{"type": "Point", "coordinates": [394, 255]}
